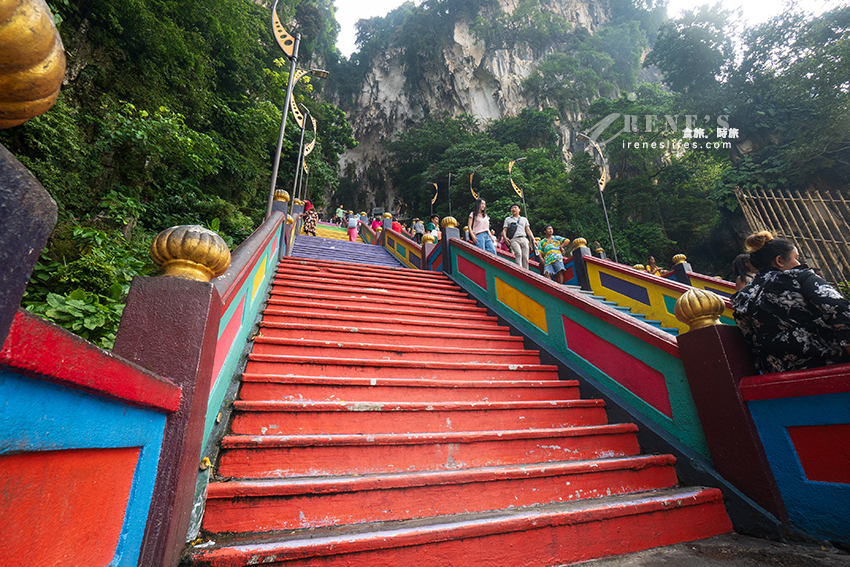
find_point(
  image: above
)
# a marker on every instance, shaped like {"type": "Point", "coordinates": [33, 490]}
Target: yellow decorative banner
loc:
{"type": "Point", "coordinates": [474, 194]}
{"type": "Point", "coordinates": [436, 192]}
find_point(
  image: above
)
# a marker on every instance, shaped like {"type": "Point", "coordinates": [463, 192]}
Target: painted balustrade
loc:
{"type": "Point", "coordinates": [803, 421]}
{"type": "Point", "coordinates": [644, 293]}
{"type": "Point", "coordinates": [720, 287]}
{"type": "Point", "coordinates": [638, 362]}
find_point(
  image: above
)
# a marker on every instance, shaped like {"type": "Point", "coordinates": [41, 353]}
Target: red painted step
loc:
{"type": "Point", "coordinates": [288, 388]}
{"type": "Point", "coordinates": [355, 302]}
{"type": "Point", "coordinates": [498, 339]}
{"type": "Point", "coordinates": [366, 351]}
{"type": "Point", "coordinates": [384, 420]}
{"type": "Point", "coordinates": [267, 505]}
{"type": "Point", "coordinates": [282, 456]}
{"type": "Point", "coordinates": [431, 316]}
{"type": "Point", "coordinates": [326, 366]}
{"type": "Point", "coordinates": [373, 418]}
{"type": "Point", "coordinates": [556, 534]}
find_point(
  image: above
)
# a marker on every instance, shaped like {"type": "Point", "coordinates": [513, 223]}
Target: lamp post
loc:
{"type": "Point", "coordinates": [601, 182]}
{"type": "Point", "coordinates": [289, 45]}
{"type": "Point", "coordinates": [295, 185]}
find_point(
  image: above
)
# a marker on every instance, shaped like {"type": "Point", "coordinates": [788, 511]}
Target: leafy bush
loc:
{"type": "Point", "coordinates": [89, 315]}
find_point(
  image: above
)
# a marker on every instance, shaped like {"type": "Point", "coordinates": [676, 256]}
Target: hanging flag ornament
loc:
{"type": "Point", "coordinates": [517, 189]}
{"type": "Point", "coordinates": [436, 192]}
{"type": "Point", "coordinates": [471, 190]}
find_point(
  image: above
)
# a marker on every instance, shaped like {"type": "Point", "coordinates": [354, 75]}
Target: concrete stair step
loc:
{"type": "Point", "coordinates": [370, 287]}
{"type": "Point", "coordinates": [293, 504]}
{"type": "Point", "coordinates": [366, 351]}
{"type": "Point", "coordinates": [376, 418]}
{"type": "Point", "coordinates": [554, 534]}
{"type": "Point", "coordinates": [376, 390]}
{"type": "Point", "coordinates": [353, 368]}
{"type": "Point", "coordinates": [354, 278]}
{"type": "Point", "coordinates": [478, 325]}
{"type": "Point", "coordinates": [499, 339]}
{"type": "Point", "coordinates": [319, 269]}
{"type": "Point", "coordinates": [288, 456]}
{"type": "Point", "coordinates": [349, 301]}
{"type": "Point", "coordinates": [378, 309]}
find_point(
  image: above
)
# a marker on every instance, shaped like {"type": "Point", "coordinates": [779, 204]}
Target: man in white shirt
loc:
{"type": "Point", "coordinates": [518, 233]}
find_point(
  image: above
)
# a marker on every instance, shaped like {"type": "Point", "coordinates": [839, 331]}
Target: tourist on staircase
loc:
{"type": "Point", "coordinates": [517, 233]}
{"type": "Point", "coordinates": [433, 226]}
{"type": "Point", "coordinates": [353, 223]}
{"type": "Point", "coordinates": [551, 248]}
{"type": "Point", "coordinates": [790, 318]}
{"type": "Point", "coordinates": [418, 231]}
{"type": "Point", "coordinates": [744, 271]}
{"type": "Point", "coordinates": [479, 227]}
{"type": "Point", "coordinates": [652, 267]}
{"type": "Point", "coordinates": [309, 218]}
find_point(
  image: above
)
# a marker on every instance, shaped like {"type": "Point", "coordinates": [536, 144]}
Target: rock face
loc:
{"type": "Point", "coordinates": [470, 78]}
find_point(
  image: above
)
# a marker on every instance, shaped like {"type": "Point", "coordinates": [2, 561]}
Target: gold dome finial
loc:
{"type": "Point", "coordinates": [429, 239]}
{"type": "Point", "coordinates": [639, 267]}
{"type": "Point", "coordinates": [698, 308]}
{"type": "Point", "coordinates": [190, 251]}
{"type": "Point", "coordinates": [578, 243]}
{"type": "Point", "coordinates": [289, 219]}
{"type": "Point", "coordinates": [281, 195]}
{"type": "Point", "coordinates": [679, 259]}
{"type": "Point", "coordinates": [448, 222]}
{"type": "Point", "coordinates": [32, 61]}
{"type": "Point", "coordinates": [297, 202]}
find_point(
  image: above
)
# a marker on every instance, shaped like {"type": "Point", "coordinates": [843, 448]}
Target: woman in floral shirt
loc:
{"type": "Point", "coordinates": [551, 249]}
{"type": "Point", "coordinates": [791, 318]}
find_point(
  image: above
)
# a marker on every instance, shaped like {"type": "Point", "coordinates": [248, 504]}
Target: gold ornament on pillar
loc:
{"type": "Point", "coordinates": [449, 222]}
{"type": "Point", "coordinates": [281, 195]}
{"type": "Point", "coordinates": [578, 243]}
{"type": "Point", "coordinates": [698, 308]}
{"type": "Point", "coordinates": [32, 61]}
{"type": "Point", "coordinates": [190, 251]}
{"type": "Point", "coordinates": [679, 259]}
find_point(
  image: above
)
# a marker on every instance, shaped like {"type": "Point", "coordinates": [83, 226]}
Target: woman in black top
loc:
{"type": "Point", "coordinates": [791, 318]}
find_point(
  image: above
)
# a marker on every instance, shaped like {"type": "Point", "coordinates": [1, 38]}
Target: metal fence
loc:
{"type": "Point", "coordinates": [819, 223]}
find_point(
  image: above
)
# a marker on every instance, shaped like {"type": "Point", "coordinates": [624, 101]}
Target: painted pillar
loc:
{"type": "Point", "coordinates": [681, 267]}
{"type": "Point", "coordinates": [281, 203]}
{"type": "Point", "coordinates": [295, 212]}
{"type": "Point", "coordinates": [580, 250]}
{"type": "Point", "coordinates": [450, 230]}
{"type": "Point", "coordinates": [27, 216]}
{"type": "Point", "coordinates": [716, 358]}
{"type": "Point", "coordinates": [170, 327]}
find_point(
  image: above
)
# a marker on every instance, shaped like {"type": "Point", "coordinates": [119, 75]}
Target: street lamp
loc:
{"type": "Point", "coordinates": [295, 187]}
{"type": "Point", "coordinates": [289, 45]}
{"type": "Point", "coordinates": [602, 181]}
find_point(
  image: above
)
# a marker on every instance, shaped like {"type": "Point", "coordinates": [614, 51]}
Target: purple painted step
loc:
{"type": "Point", "coordinates": [317, 248]}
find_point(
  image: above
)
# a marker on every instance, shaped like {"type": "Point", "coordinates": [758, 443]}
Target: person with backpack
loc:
{"type": "Point", "coordinates": [517, 232]}
{"type": "Point", "coordinates": [353, 223]}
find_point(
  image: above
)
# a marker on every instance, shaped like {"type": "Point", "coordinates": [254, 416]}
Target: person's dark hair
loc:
{"type": "Point", "coordinates": [548, 226]}
{"type": "Point", "coordinates": [435, 217]}
{"type": "Point", "coordinates": [477, 210]}
{"type": "Point", "coordinates": [517, 205]}
{"type": "Point", "coordinates": [764, 248]}
{"type": "Point", "coordinates": [739, 266]}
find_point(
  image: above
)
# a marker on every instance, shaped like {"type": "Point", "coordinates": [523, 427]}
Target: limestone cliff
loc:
{"type": "Point", "coordinates": [469, 76]}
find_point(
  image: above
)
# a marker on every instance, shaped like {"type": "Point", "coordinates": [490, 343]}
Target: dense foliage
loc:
{"type": "Point", "coordinates": [772, 104]}
{"type": "Point", "coordinates": [170, 115]}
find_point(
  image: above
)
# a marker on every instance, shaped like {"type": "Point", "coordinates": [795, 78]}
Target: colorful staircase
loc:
{"type": "Point", "coordinates": [384, 419]}
{"type": "Point", "coordinates": [332, 231]}
{"type": "Point", "coordinates": [318, 248]}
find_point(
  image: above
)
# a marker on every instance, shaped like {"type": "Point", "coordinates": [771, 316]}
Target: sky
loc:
{"type": "Point", "coordinates": [754, 11]}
